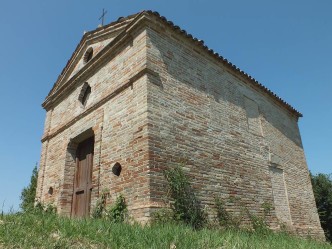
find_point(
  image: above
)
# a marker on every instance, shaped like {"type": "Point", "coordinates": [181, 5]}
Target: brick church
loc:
{"type": "Point", "coordinates": [139, 95]}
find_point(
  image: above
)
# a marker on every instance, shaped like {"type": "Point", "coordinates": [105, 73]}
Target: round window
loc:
{"type": "Point", "coordinates": [116, 169]}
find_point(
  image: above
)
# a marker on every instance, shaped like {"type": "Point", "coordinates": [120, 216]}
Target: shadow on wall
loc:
{"type": "Point", "coordinates": [206, 76]}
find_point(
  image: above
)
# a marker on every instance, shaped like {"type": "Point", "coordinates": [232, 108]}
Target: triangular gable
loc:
{"type": "Point", "coordinates": [95, 40]}
{"type": "Point", "coordinates": [92, 47]}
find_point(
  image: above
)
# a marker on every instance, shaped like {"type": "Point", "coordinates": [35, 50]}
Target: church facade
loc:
{"type": "Point", "coordinates": [140, 95]}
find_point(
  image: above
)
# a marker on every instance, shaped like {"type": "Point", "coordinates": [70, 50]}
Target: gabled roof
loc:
{"type": "Point", "coordinates": [86, 36]}
{"type": "Point", "coordinates": [198, 42]}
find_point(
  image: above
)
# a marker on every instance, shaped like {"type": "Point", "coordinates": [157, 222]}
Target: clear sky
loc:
{"type": "Point", "coordinates": [286, 45]}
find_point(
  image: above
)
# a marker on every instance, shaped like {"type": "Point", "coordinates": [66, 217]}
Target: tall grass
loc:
{"type": "Point", "coordinates": [50, 231]}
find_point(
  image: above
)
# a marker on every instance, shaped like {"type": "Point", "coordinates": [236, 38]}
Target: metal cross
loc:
{"type": "Point", "coordinates": [102, 17]}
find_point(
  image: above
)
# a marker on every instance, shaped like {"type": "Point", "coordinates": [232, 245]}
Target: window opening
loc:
{"type": "Point", "coordinates": [88, 55]}
{"type": "Point", "coordinates": [85, 93]}
{"type": "Point", "coordinates": [50, 191]}
{"type": "Point", "coordinates": [117, 169]}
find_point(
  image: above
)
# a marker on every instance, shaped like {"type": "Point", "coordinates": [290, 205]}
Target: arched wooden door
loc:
{"type": "Point", "coordinates": [83, 179]}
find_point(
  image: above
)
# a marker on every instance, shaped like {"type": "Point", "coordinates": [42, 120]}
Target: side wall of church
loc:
{"type": "Point", "coordinates": [116, 113]}
{"type": "Point", "coordinates": [232, 140]}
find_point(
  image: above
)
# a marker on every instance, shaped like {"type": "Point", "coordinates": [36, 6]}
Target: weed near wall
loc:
{"type": "Point", "coordinates": [184, 204]}
{"type": "Point", "coordinates": [225, 218]}
{"type": "Point", "coordinates": [116, 213]}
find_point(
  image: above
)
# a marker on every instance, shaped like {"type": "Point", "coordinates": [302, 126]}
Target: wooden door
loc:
{"type": "Point", "coordinates": [83, 179]}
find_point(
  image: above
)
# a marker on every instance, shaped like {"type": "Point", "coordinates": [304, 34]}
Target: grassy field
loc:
{"type": "Point", "coordinates": [50, 231]}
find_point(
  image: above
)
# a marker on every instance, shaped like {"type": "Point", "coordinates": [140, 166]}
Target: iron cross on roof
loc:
{"type": "Point", "coordinates": [102, 17]}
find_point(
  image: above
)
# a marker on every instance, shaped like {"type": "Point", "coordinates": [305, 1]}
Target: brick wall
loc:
{"type": "Point", "coordinates": [225, 133]}
{"type": "Point", "coordinates": [115, 115]}
{"type": "Point", "coordinates": [158, 100]}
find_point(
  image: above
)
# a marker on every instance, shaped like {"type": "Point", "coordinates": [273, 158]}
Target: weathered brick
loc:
{"type": "Point", "coordinates": [158, 98]}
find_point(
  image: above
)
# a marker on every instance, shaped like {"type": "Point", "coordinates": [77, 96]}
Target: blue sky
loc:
{"type": "Point", "coordinates": [286, 45]}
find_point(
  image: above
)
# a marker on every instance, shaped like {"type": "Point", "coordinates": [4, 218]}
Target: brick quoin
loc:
{"type": "Point", "coordinates": [159, 97]}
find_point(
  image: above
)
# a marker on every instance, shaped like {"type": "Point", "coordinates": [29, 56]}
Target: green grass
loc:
{"type": "Point", "coordinates": [51, 231]}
